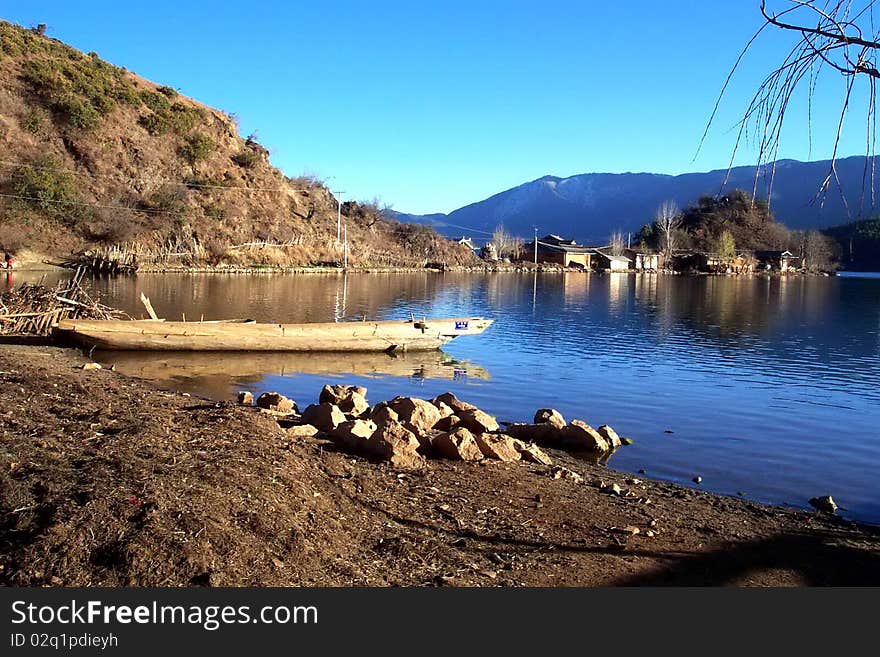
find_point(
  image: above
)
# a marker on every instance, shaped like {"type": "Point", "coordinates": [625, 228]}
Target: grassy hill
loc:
{"type": "Point", "coordinates": [91, 154]}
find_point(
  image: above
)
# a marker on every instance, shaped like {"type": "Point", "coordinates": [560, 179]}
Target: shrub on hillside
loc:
{"type": "Point", "coordinates": [246, 158]}
{"type": "Point", "coordinates": [46, 186]}
{"type": "Point", "coordinates": [36, 123]}
{"type": "Point", "coordinates": [155, 101]}
{"type": "Point", "coordinates": [177, 118]}
{"type": "Point", "coordinates": [78, 89]}
{"type": "Point", "coordinates": [196, 148]}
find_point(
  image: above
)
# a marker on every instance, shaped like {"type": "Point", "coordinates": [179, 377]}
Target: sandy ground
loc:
{"type": "Point", "coordinates": [106, 480]}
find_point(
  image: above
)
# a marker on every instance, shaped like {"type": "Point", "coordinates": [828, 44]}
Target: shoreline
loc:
{"type": "Point", "coordinates": [113, 481]}
{"type": "Point", "coordinates": [497, 269]}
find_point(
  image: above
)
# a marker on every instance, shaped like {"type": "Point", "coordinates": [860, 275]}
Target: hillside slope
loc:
{"type": "Point", "coordinates": [93, 154]}
{"type": "Point", "coordinates": [590, 206]}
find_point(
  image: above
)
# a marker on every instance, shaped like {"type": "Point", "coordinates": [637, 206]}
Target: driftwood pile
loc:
{"type": "Point", "coordinates": [33, 309]}
{"type": "Point", "coordinates": [111, 260]}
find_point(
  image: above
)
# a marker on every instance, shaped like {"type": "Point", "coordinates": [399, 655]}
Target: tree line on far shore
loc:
{"type": "Point", "coordinates": [731, 224]}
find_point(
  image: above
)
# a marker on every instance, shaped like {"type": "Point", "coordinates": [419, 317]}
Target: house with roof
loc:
{"type": "Point", "coordinates": [643, 260]}
{"type": "Point", "coordinates": [780, 261]}
{"type": "Point", "coordinates": [561, 251]}
{"type": "Point", "coordinates": [469, 243]}
{"type": "Point", "coordinates": [610, 262]}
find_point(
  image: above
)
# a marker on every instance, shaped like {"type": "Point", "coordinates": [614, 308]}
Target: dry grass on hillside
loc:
{"type": "Point", "coordinates": [95, 155]}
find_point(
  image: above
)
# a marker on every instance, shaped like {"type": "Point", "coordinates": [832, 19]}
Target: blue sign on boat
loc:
{"type": "Point", "coordinates": [461, 326]}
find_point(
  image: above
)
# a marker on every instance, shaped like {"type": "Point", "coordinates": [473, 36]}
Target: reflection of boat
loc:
{"type": "Point", "coordinates": [180, 365]}
{"type": "Point", "coordinates": [159, 335]}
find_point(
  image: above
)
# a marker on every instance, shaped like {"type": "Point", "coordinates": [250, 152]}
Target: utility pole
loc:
{"type": "Point", "coordinates": [536, 245]}
{"type": "Point", "coordinates": [338, 215]}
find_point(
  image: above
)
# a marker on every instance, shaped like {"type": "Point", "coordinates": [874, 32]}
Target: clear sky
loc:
{"type": "Point", "coordinates": [431, 106]}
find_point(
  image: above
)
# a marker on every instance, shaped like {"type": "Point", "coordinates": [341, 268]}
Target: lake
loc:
{"type": "Point", "coordinates": [766, 387]}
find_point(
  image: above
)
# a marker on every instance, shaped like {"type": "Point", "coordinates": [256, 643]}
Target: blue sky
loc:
{"type": "Point", "coordinates": [431, 106]}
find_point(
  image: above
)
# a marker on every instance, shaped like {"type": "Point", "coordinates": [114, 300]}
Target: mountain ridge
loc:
{"type": "Point", "coordinates": [589, 206]}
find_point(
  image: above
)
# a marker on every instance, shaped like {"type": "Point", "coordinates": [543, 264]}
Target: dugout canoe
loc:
{"type": "Point", "coordinates": [160, 335]}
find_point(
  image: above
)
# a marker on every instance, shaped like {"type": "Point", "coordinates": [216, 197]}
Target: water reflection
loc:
{"type": "Point", "coordinates": [217, 374]}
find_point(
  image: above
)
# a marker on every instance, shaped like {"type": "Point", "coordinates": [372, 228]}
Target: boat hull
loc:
{"type": "Point", "coordinates": [153, 335]}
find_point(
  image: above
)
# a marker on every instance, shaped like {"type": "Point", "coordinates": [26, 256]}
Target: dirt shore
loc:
{"type": "Point", "coordinates": [106, 480]}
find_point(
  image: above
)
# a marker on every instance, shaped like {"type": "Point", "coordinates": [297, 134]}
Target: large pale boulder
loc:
{"type": "Point", "coordinates": [497, 446]}
{"type": "Point", "coordinates": [325, 417]}
{"type": "Point", "coordinates": [349, 399]}
{"type": "Point", "coordinates": [382, 415]}
{"type": "Point", "coordinates": [549, 416]}
{"type": "Point", "coordinates": [531, 452]}
{"type": "Point", "coordinates": [610, 435]}
{"type": "Point", "coordinates": [476, 421]}
{"type": "Point", "coordinates": [277, 403]}
{"type": "Point", "coordinates": [419, 414]}
{"type": "Point", "coordinates": [301, 431]}
{"type": "Point", "coordinates": [581, 436]}
{"type": "Point", "coordinates": [445, 411]}
{"type": "Point", "coordinates": [397, 445]}
{"type": "Point", "coordinates": [354, 434]}
{"type": "Point", "coordinates": [458, 445]}
{"type": "Point", "coordinates": [453, 402]}
{"type": "Point", "coordinates": [447, 423]}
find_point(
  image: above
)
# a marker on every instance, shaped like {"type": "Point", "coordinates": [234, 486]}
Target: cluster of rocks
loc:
{"type": "Point", "coordinates": [405, 431]}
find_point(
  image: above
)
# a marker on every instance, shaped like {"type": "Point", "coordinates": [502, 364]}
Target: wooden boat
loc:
{"type": "Point", "coordinates": [160, 335]}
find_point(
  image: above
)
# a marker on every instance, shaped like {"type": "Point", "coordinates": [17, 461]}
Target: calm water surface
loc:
{"type": "Point", "coordinates": [765, 387]}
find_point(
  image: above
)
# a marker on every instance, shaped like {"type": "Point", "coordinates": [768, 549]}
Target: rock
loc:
{"type": "Point", "coordinates": [382, 415]}
{"type": "Point", "coordinates": [245, 398]}
{"type": "Point", "coordinates": [697, 480]}
{"type": "Point", "coordinates": [476, 421]}
{"type": "Point", "coordinates": [497, 446]}
{"type": "Point", "coordinates": [447, 423]}
{"type": "Point", "coordinates": [301, 431]}
{"type": "Point", "coordinates": [610, 436]}
{"type": "Point", "coordinates": [326, 417]}
{"type": "Point", "coordinates": [349, 399]}
{"type": "Point", "coordinates": [558, 472]}
{"type": "Point", "coordinates": [825, 503]}
{"type": "Point", "coordinates": [581, 436]}
{"type": "Point", "coordinates": [453, 402]}
{"type": "Point", "coordinates": [396, 444]}
{"type": "Point", "coordinates": [626, 441]}
{"type": "Point", "coordinates": [354, 435]}
{"type": "Point", "coordinates": [544, 433]}
{"type": "Point", "coordinates": [549, 416]}
{"type": "Point", "coordinates": [531, 453]}
{"type": "Point", "coordinates": [613, 489]}
{"type": "Point", "coordinates": [91, 366]}
{"type": "Point", "coordinates": [631, 530]}
{"type": "Point", "coordinates": [419, 413]}
{"type": "Point", "coordinates": [277, 403]}
{"type": "Point", "coordinates": [336, 394]}
{"type": "Point", "coordinates": [458, 445]}
{"type": "Point", "coordinates": [445, 411]}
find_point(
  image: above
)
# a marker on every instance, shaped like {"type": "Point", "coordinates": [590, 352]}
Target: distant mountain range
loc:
{"type": "Point", "coordinates": [590, 206]}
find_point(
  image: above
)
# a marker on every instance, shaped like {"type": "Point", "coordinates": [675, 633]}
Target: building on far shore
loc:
{"type": "Point", "coordinates": [469, 243]}
{"type": "Point", "coordinates": [643, 260]}
{"type": "Point", "coordinates": [780, 261]}
{"type": "Point", "coordinates": [561, 251]}
{"type": "Point", "coordinates": [611, 262]}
